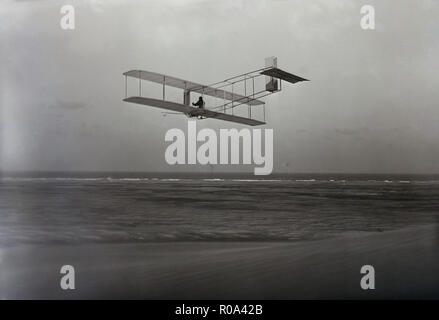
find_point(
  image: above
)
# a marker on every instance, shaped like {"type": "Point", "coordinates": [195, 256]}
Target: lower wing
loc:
{"type": "Point", "coordinates": [195, 112]}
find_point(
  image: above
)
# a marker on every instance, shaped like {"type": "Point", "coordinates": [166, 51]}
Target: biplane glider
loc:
{"type": "Point", "coordinates": [241, 90]}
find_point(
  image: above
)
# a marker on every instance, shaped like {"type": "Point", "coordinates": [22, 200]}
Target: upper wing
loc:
{"type": "Point", "coordinates": [191, 86]}
{"type": "Point", "coordinates": [283, 75]}
{"type": "Point", "coordinates": [192, 111]}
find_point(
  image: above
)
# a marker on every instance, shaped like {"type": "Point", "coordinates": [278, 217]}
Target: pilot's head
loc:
{"type": "Point", "coordinates": [200, 98]}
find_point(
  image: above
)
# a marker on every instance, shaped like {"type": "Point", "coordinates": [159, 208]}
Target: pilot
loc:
{"type": "Point", "coordinates": [199, 103]}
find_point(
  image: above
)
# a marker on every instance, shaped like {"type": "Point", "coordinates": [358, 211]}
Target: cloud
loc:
{"type": "Point", "coordinates": [69, 105]}
{"type": "Point", "coordinates": [347, 132]}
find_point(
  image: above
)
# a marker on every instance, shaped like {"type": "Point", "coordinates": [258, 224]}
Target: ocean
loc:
{"type": "Point", "coordinates": [89, 207]}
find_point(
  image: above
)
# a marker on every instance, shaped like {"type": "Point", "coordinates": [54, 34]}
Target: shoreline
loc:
{"type": "Point", "coordinates": [405, 263]}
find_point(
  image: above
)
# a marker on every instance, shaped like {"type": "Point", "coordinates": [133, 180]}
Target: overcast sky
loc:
{"type": "Point", "coordinates": [372, 104]}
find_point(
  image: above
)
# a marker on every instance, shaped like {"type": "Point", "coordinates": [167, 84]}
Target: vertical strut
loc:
{"type": "Point", "coordinates": [245, 86]}
{"type": "Point", "coordinates": [224, 101]}
{"type": "Point", "coordinates": [164, 80]}
{"type": "Point", "coordinates": [245, 94]}
{"type": "Point", "coordinates": [126, 86]}
{"type": "Point", "coordinates": [140, 83]}
{"type": "Point", "coordinates": [233, 96]}
{"type": "Point", "coordinates": [264, 111]}
{"type": "Point", "coordinates": [253, 89]}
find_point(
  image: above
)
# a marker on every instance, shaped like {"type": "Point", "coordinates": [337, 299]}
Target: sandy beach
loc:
{"type": "Point", "coordinates": [406, 264]}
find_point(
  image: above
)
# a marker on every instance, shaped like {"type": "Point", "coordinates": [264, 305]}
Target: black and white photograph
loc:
{"type": "Point", "coordinates": [210, 150]}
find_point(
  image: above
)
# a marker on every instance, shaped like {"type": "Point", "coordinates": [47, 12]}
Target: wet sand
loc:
{"type": "Point", "coordinates": [406, 263]}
